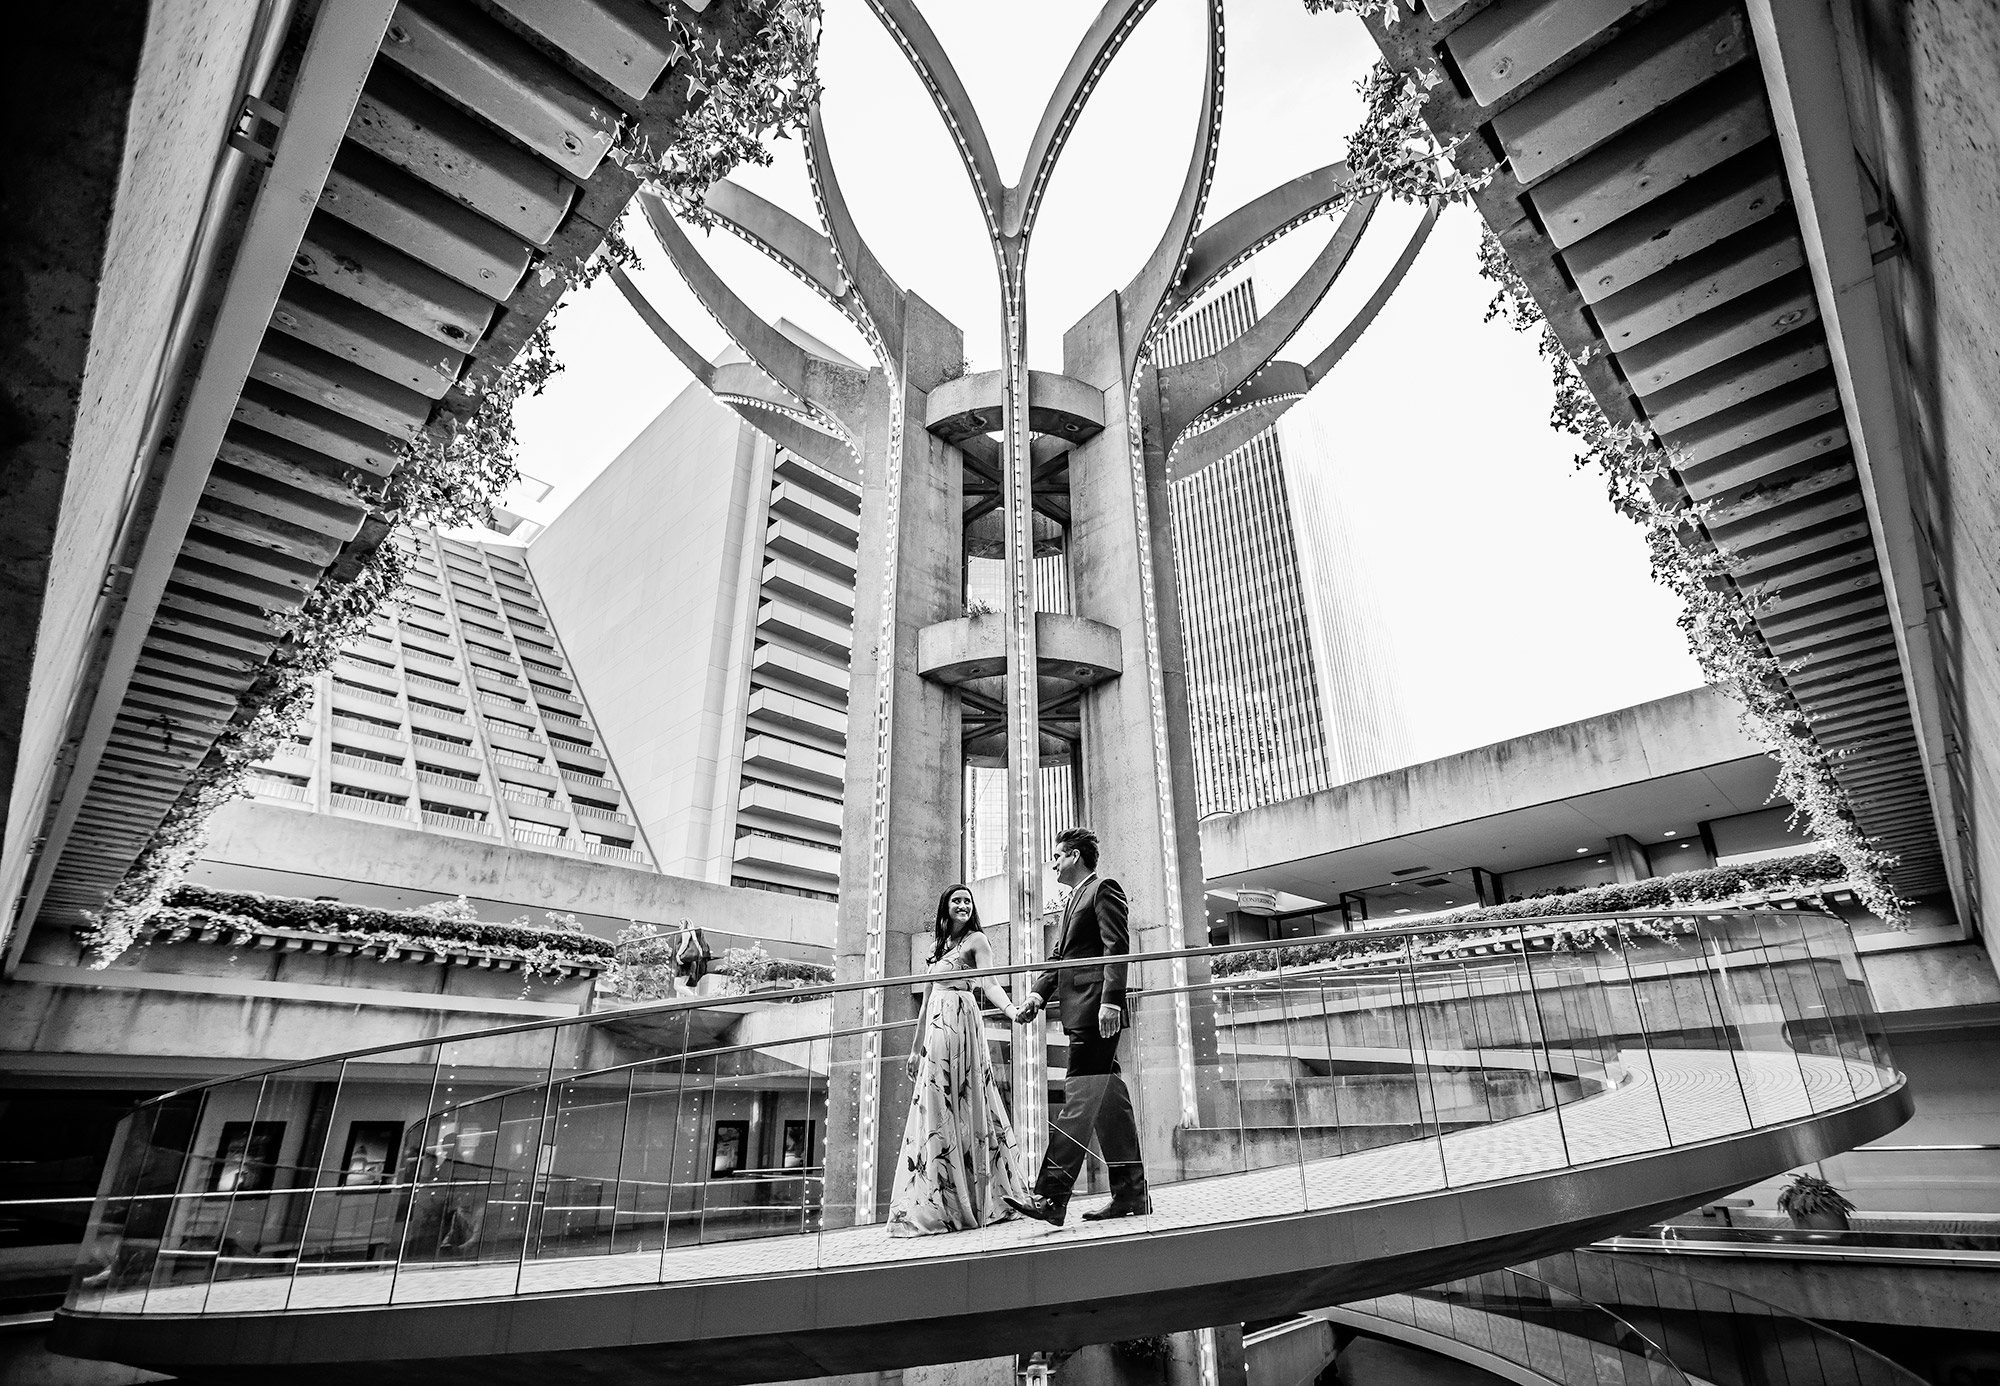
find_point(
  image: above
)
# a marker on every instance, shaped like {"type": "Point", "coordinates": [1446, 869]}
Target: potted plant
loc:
{"type": "Point", "coordinates": [1812, 1203]}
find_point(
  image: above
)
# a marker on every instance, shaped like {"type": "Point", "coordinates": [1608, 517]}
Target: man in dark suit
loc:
{"type": "Point", "coordinates": [1092, 1000]}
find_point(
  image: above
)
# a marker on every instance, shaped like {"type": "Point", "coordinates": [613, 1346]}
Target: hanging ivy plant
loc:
{"type": "Point", "coordinates": [1719, 623]}
{"type": "Point", "coordinates": [741, 97]}
{"type": "Point", "coordinates": [740, 100]}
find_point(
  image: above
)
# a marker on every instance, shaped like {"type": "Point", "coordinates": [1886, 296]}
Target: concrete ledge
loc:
{"type": "Point", "coordinates": [1073, 651]}
{"type": "Point", "coordinates": [1058, 406]}
{"type": "Point", "coordinates": [256, 846]}
{"type": "Point", "coordinates": [120, 980]}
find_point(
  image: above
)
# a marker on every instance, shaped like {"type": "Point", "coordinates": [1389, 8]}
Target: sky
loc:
{"type": "Point", "coordinates": [1514, 598]}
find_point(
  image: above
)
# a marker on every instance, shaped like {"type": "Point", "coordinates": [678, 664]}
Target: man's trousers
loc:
{"type": "Point", "coordinates": [1095, 1103]}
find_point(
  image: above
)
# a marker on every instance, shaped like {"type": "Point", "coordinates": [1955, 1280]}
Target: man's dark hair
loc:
{"type": "Point", "coordinates": [1085, 842]}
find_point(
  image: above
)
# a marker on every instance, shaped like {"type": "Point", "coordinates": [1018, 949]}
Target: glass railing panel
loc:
{"type": "Point", "coordinates": [761, 1134]}
{"type": "Point", "coordinates": [641, 1198]}
{"type": "Point", "coordinates": [120, 1253]}
{"type": "Point", "coordinates": [1244, 1087]}
{"type": "Point", "coordinates": [1745, 965]}
{"type": "Point", "coordinates": [475, 1153]}
{"type": "Point", "coordinates": [1532, 1324]}
{"type": "Point", "coordinates": [1719, 1335]}
{"type": "Point", "coordinates": [1844, 992]}
{"type": "Point", "coordinates": [357, 1218]}
{"type": "Point", "coordinates": [1685, 1036]}
{"type": "Point", "coordinates": [1378, 1084]}
{"type": "Point", "coordinates": [1808, 1028]}
{"type": "Point", "coordinates": [225, 1150]}
{"type": "Point", "coordinates": [270, 1169]}
{"type": "Point", "coordinates": [1859, 1004]}
{"type": "Point", "coordinates": [870, 1092]}
{"type": "Point", "coordinates": [752, 1110]}
{"type": "Point", "coordinates": [1498, 1085]}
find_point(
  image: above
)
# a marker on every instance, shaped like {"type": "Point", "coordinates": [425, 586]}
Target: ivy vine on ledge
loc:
{"type": "Point", "coordinates": [447, 926]}
{"type": "Point", "coordinates": [1808, 873]}
{"type": "Point", "coordinates": [1395, 144]}
{"type": "Point", "coordinates": [452, 476]}
{"type": "Point", "coordinates": [1718, 621]}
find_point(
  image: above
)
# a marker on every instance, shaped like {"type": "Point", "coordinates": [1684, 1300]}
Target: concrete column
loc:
{"type": "Point", "coordinates": [1628, 860]}
{"type": "Point", "coordinates": [1137, 771]}
{"type": "Point", "coordinates": [900, 825]}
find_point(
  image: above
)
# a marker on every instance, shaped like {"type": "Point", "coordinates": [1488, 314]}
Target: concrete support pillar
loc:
{"type": "Point", "coordinates": [1628, 860]}
{"type": "Point", "coordinates": [1137, 772]}
{"type": "Point", "coordinates": [900, 825]}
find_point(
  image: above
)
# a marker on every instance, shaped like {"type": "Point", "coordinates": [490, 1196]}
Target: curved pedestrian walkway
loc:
{"type": "Point", "coordinates": [1631, 1073]}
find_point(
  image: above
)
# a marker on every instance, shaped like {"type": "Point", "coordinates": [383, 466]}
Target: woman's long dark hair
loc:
{"type": "Point", "coordinates": [941, 932]}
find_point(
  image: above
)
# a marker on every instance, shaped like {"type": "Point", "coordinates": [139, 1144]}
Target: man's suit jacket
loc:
{"type": "Point", "coordinates": [1096, 927]}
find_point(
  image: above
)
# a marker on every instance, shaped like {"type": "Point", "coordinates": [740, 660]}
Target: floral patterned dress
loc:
{"type": "Point", "coordinates": [959, 1157]}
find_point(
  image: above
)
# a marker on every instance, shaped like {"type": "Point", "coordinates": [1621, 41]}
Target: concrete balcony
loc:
{"type": "Point", "coordinates": [788, 811]}
{"type": "Point", "coordinates": [841, 493]}
{"type": "Point", "coordinates": [551, 698]}
{"type": "Point", "coordinates": [790, 501]}
{"type": "Point", "coordinates": [458, 823]}
{"type": "Point", "coordinates": [599, 819]}
{"type": "Point", "coordinates": [515, 736]}
{"type": "Point", "coordinates": [356, 726]}
{"type": "Point", "coordinates": [793, 671]}
{"type": "Point", "coordinates": [466, 756]}
{"type": "Point", "coordinates": [807, 587]}
{"type": "Point", "coordinates": [788, 863]}
{"type": "Point", "coordinates": [526, 807]}
{"type": "Point", "coordinates": [788, 763]}
{"type": "Point", "coordinates": [796, 625]}
{"type": "Point", "coordinates": [497, 682]}
{"type": "Point", "coordinates": [453, 788]}
{"type": "Point", "coordinates": [795, 719]}
{"type": "Point", "coordinates": [367, 808]}
{"type": "Point", "coordinates": [392, 776]}
{"type": "Point", "coordinates": [811, 548]}
{"type": "Point", "coordinates": [439, 680]}
{"type": "Point", "coordinates": [543, 778]}
{"type": "Point", "coordinates": [366, 697]}
{"type": "Point", "coordinates": [579, 758]}
{"type": "Point", "coordinates": [452, 722]}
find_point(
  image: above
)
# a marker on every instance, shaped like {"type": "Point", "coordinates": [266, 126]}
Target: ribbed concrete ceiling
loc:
{"type": "Point", "coordinates": [473, 165]}
{"type": "Point", "coordinates": [1641, 192]}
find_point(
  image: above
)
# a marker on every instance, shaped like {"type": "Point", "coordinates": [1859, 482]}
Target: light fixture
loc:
{"type": "Point", "coordinates": [1600, 861]}
{"type": "Point", "coordinates": [1672, 833]}
{"type": "Point", "coordinates": [1686, 845]}
{"type": "Point", "coordinates": [1582, 850]}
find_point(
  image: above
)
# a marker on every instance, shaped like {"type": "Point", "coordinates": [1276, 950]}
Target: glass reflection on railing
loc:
{"type": "Point", "coordinates": [735, 1136]}
{"type": "Point", "coordinates": [1587, 1318]}
{"type": "Point", "coordinates": [1520, 1318]}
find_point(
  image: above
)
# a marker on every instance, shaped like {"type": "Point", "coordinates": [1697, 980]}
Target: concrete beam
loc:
{"type": "Point", "coordinates": [1800, 59]}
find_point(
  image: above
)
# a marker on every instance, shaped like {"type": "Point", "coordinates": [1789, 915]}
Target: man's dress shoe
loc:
{"type": "Point", "coordinates": [1037, 1207]}
{"type": "Point", "coordinates": [1122, 1208]}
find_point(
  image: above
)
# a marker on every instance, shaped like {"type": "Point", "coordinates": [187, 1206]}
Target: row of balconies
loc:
{"type": "Point", "coordinates": [382, 789]}
{"type": "Point", "coordinates": [788, 809]}
{"type": "Point", "coordinates": [788, 861]}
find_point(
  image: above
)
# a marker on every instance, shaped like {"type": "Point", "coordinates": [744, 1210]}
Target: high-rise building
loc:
{"type": "Point", "coordinates": [456, 712]}
{"type": "Point", "coordinates": [1288, 676]}
{"type": "Point", "coordinates": [709, 577]}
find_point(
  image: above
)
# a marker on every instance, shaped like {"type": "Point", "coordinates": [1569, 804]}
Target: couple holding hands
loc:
{"type": "Point", "coordinates": [959, 1165]}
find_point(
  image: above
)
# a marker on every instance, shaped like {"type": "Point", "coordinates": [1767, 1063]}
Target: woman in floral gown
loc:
{"type": "Point", "coordinates": [959, 1160]}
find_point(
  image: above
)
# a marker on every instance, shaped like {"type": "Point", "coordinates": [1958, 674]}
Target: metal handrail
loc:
{"type": "Point", "coordinates": [1777, 1311]}
{"type": "Point", "coordinates": [811, 989]}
